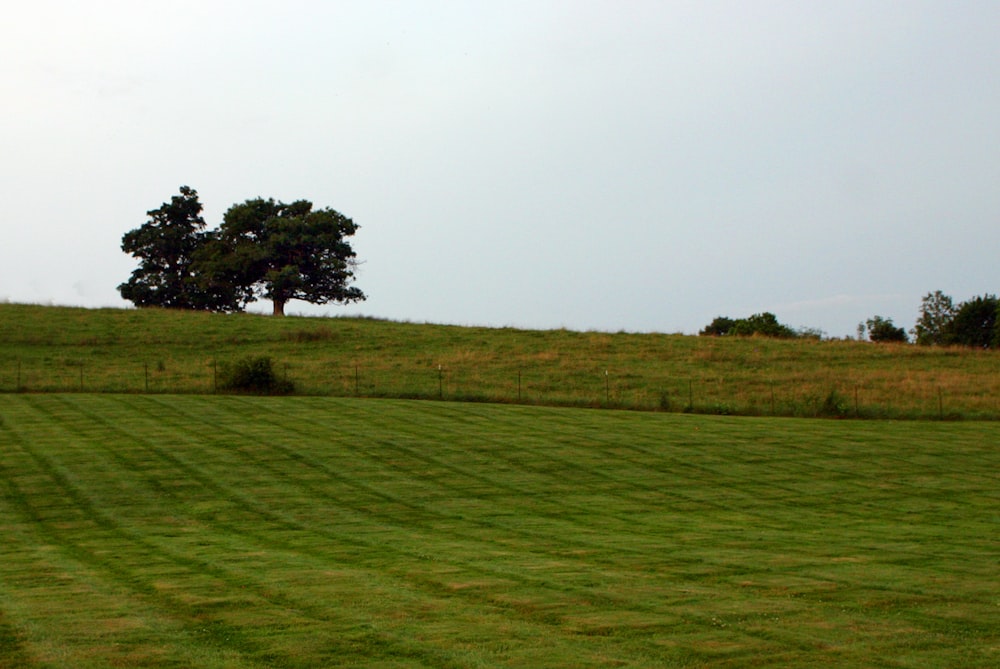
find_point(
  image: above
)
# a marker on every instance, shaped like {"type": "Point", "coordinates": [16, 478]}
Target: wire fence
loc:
{"type": "Point", "coordinates": [846, 398]}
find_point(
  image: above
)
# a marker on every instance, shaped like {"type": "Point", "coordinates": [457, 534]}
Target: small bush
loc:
{"type": "Point", "coordinates": [254, 374]}
{"type": "Point", "coordinates": [882, 330]}
{"type": "Point", "coordinates": [834, 406]}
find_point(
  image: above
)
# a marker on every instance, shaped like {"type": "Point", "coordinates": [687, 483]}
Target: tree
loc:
{"type": "Point", "coordinates": [765, 325]}
{"type": "Point", "coordinates": [719, 327]}
{"type": "Point", "coordinates": [975, 323]}
{"type": "Point", "coordinates": [936, 314]}
{"type": "Point", "coordinates": [883, 330]}
{"type": "Point", "coordinates": [282, 252]}
{"type": "Point", "coordinates": [166, 246]}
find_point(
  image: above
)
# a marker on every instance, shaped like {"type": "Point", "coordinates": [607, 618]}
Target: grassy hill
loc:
{"type": "Point", "coordinates": [109, 350]}
{"type": "Point", "coordinates": [247, 532]}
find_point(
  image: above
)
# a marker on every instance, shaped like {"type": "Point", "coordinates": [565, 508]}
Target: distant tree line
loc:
{"type": "Point", "coordinates": [974, 323]}
{"type": "Point", "coordinates": [262, 249]}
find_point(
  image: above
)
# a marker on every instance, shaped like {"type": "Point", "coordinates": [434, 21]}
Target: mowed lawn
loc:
{"type": "Point", "coordinates": [189, 531]}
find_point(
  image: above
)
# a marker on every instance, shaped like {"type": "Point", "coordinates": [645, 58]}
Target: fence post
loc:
{"type": "Point", "coordinates": [607, 388]}
{"type": "Point", "coordinates": [440, 383]}
{"type": "Point", "coordinates": [145, 366]}
{"type": "Point", "coordinates": [357, 381]}
{"type": "Point", "coordinates": [519, 386]}
{"type": "Point", "coordinates": [18, 387]}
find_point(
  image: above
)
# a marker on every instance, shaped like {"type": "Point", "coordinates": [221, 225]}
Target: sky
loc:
{"type": "Point", "coordinates": [590, 165]}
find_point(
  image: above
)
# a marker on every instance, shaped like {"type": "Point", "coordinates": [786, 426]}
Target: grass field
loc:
{"type": "Point", "coordinates": [53, 349]}
{"type": "Point", "coordinates": [190, 531]}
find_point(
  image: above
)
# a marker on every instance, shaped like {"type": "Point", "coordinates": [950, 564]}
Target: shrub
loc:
{"type": "Point", "coordinates": [254, 374]}
{"type": "Point", "coordinates": [883, 330]}
{"type": "Point", "coordinates": [764, 325]}
{"type": "Point", "coordinates": [834, 406]}
{"type": "Point", "coordinates": [719, 327]}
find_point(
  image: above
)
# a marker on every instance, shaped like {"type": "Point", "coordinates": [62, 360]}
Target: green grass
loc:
{"type": "Point", "coordinates": [182, 531]}
{"type": "Point", "coordinates": [50, 349]}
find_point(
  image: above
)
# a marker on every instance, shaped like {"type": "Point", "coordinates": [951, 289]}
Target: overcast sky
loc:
{"type": "Point", "coordinates": [639, 166]}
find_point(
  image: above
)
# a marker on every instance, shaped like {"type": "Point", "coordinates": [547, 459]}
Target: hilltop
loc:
{"type": "Point", "coordinates": [153, 350]}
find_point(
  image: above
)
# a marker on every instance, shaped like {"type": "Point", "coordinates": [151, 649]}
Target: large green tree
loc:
{"type": "Point", "coordinates": [166, 246]}
{"type": "Point", "coordinates": [282, 252]}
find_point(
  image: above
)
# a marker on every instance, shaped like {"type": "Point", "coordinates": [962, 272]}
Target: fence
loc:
{"type": "Point", "coordinates": [847, 398]}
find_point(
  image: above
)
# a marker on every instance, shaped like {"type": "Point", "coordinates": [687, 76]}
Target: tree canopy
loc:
{"type": "Point", "coordinates": [263, 248]}
{"type": "Point", "coordinates": [764, 325]}
{"type": "Point", "coordinates": [884, 330]}
{"type": "Point", "coordinates": [166, 246]}
{"type": "Point", "coordinates": [283, 252]}
{"type": "Point", "coordinates": [975, 323]}
{"type": "Point", "coordinates": [936, 313]}
{"type": "Point", "coordinates": [972, 323]}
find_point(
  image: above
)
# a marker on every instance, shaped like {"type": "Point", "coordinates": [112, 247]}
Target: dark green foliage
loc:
{"type": "Point", "coordinates": [254, 374]}
{"type": "Point", "coordinates": [283, 252]}
{"type": "Point", "coordinates": [975, 323]}
{"type": "Point", "coordinates": [166, 246]}
{"type": "Point", "coordinates": [719, 327]}
{"type": "Point", "coordinates": [972, 323]}
{"type": "Point", "coordinates": [263, 249]}
{"type": "Point", "coordinates": [883, 330]}
{"type": "Point", "coordinates": [936, 313]}
{"type": "Point", "coordinates": [764, 325]}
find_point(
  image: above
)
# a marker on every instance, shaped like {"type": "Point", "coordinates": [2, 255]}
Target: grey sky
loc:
{"type": "Point", "coordinates": [641, 166]}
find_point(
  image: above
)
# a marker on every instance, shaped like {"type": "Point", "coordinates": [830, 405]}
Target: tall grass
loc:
{"type": "Point", "coordinates": [189, 531]}
{"type": "Point", "coordinates": [60, 349]}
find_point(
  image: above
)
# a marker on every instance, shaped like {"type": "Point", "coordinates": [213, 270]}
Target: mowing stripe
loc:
{"type": "Point", "coordinates": [172, 565]}
{"type": "Point", "coordinates": [250, 532]}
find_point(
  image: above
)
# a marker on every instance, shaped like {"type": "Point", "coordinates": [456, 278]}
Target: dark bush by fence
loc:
{"type": "Point", "coordinates": [253, 374]}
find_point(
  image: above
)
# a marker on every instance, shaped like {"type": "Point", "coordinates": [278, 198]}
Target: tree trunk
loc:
{"type": "Point", "coordinates": [279, 308]}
